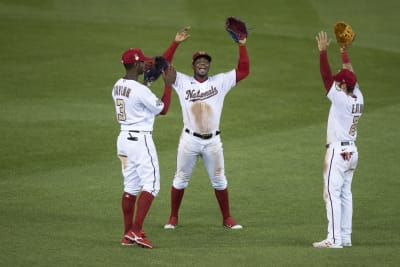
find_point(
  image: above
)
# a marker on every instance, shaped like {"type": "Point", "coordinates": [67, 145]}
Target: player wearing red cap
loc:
{"type": "Point", "coordinates": [136, 107]}
{"type": "Point", "coordinates": [201, 98]}
{"type": "Point", "coordinates": [341, 157]}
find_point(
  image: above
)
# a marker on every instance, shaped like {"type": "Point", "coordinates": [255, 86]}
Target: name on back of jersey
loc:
{"type": "Point", "coordinates": [120, 90]}
{"type": "Point", "coordinates": [357, 108]}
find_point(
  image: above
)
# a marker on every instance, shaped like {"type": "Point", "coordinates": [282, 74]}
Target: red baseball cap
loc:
{"type": "Point", "coordinates": [347, 76]}
{"type": "Point", "coordinates": [200, 54]}
{"type": "Point", "coordinates": [133, 55]}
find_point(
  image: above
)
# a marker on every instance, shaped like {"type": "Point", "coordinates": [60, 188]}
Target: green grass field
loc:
{"type": "Point", "coordinates": [60, 180]}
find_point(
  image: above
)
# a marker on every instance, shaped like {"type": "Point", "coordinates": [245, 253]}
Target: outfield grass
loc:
{"type": "Point", "coordinates": [60, 181]}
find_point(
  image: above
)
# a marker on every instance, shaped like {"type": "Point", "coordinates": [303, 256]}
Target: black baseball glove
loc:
{"type": "Point", "coordinates": [154, 69]}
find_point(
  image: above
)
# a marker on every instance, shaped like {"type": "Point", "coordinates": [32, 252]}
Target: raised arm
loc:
{"type": "Point", "coordinates": [346, 60]}
{"type": "Point", "coordinates": [180, 37]}
{"type": "Point", "coordinates": [169, 76]}
{"type": "Point", "coordinates": [243, 67]}
{"type": "Point", "coordinates": [325, 69]}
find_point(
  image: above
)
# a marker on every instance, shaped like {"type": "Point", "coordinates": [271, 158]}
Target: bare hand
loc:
{"type": "Point", "coordinates": [182, 35]}
{"type": "Point", "coordinates": [322, 40]}
{"type": "Point", "coordinates": [169, 75]}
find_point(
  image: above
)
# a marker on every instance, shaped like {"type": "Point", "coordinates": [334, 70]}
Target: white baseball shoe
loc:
{"type": "Point", "coordinates": [346, 244]}
{"type": "Point", "coordinates": [230, 223]}
{"type": "Point", "coordinates": [169, 226]}
{"type": "Point", "coordinates": [326, 244]}
{"type": "Point", "coordinates": [172, 223]}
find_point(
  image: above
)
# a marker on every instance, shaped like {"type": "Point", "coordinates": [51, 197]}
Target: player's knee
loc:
{"type": "Point", "coordinates": [219, 184]}
{"type": "Point", "coordinates": [181, 180]}
{"type": "Point", "coordinates": [218, 177]}
{"type": "Point", "coordinates": [178, 184]}
{"type": "Point", "coordinates": [152, 188]}
{"type": "Point", "coordinates": [154, 192]}
{"type": "Point", "coordinates": [131, 190]}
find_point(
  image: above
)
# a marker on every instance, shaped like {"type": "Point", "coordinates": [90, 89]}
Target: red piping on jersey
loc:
{"type": "Point", "coordinates": [201, 80]}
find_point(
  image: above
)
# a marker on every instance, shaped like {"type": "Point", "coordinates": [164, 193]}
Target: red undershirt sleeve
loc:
{"type": "Point", "coordinates": [166, 99]}
{"type": "Point", "coordinates": [169, 53]}
{"type": "Point", "coordinates": [243, 67]}
{"type": "Point", "coordinates": [325, 69]}
{"type": "Point", "coordinates": [345, 57]}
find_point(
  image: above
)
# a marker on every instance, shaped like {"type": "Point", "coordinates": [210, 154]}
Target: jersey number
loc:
{"type": "Point", "coordinates": [121, 115]}
{"type": "Point", "coordinates": [353, 128]}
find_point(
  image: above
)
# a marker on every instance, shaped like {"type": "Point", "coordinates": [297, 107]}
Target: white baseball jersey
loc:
{"type": "Point", "coordinates": [344, 114]}
{"type": "Point", "coordinates": [201, 108]}
{"type": "Point", "coordinates": [136, 105]}
{"type": "Point", "coordinates": [202, 102]}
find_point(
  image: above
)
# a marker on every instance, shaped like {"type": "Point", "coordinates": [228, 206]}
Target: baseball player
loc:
{"type": "Point", "coordinates": [341, 151]}
{"type": "Point", "coordinates": [201, 98]}
{"type": "Point", "coordinates": [136, 107]}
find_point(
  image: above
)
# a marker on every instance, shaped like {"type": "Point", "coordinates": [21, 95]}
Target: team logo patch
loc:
{"type": "Point", "coordinates": [193, 95]}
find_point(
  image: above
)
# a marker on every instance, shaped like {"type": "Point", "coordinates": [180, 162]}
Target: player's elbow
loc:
{"type": "Point", "coordinates": [241, 75]}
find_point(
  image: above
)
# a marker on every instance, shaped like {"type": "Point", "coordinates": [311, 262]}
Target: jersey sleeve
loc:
{"type": "Point", "coordinates": [336, 96]}
{"type": "Point", "coordinates": [332, 92]}
{"type": "Point", "coordinates": [180, 79]}
{"type": "Point", "coordinates": [150, 100]}
{"type": "Point", "coordinates": [229, 79]}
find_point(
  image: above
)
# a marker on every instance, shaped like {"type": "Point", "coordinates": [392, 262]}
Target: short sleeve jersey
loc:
{"type": "Point", "coordinates": [202, 102]}
{"type": "Point", "coordinates": [135, 104]}
{"type": "Point", "coordinates": [344, 113]}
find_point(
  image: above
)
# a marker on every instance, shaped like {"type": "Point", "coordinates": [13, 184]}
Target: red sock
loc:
{"type": "Point", "coordinates": [223, 201]}
{"type": "Point", "coordinates": [128, 208]}
{"type": "Point", "coordinates": [143, 206]}
{"type": "Point", "coordinates": [176, 199]}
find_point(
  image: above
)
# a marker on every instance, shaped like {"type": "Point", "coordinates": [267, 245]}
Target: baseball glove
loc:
{"type": "Point", "coordinates": [153, 70]}
{"type": "Point", "coordinates": [344, 34]}
{"type": "Point", "coordinates": [236, 28]}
